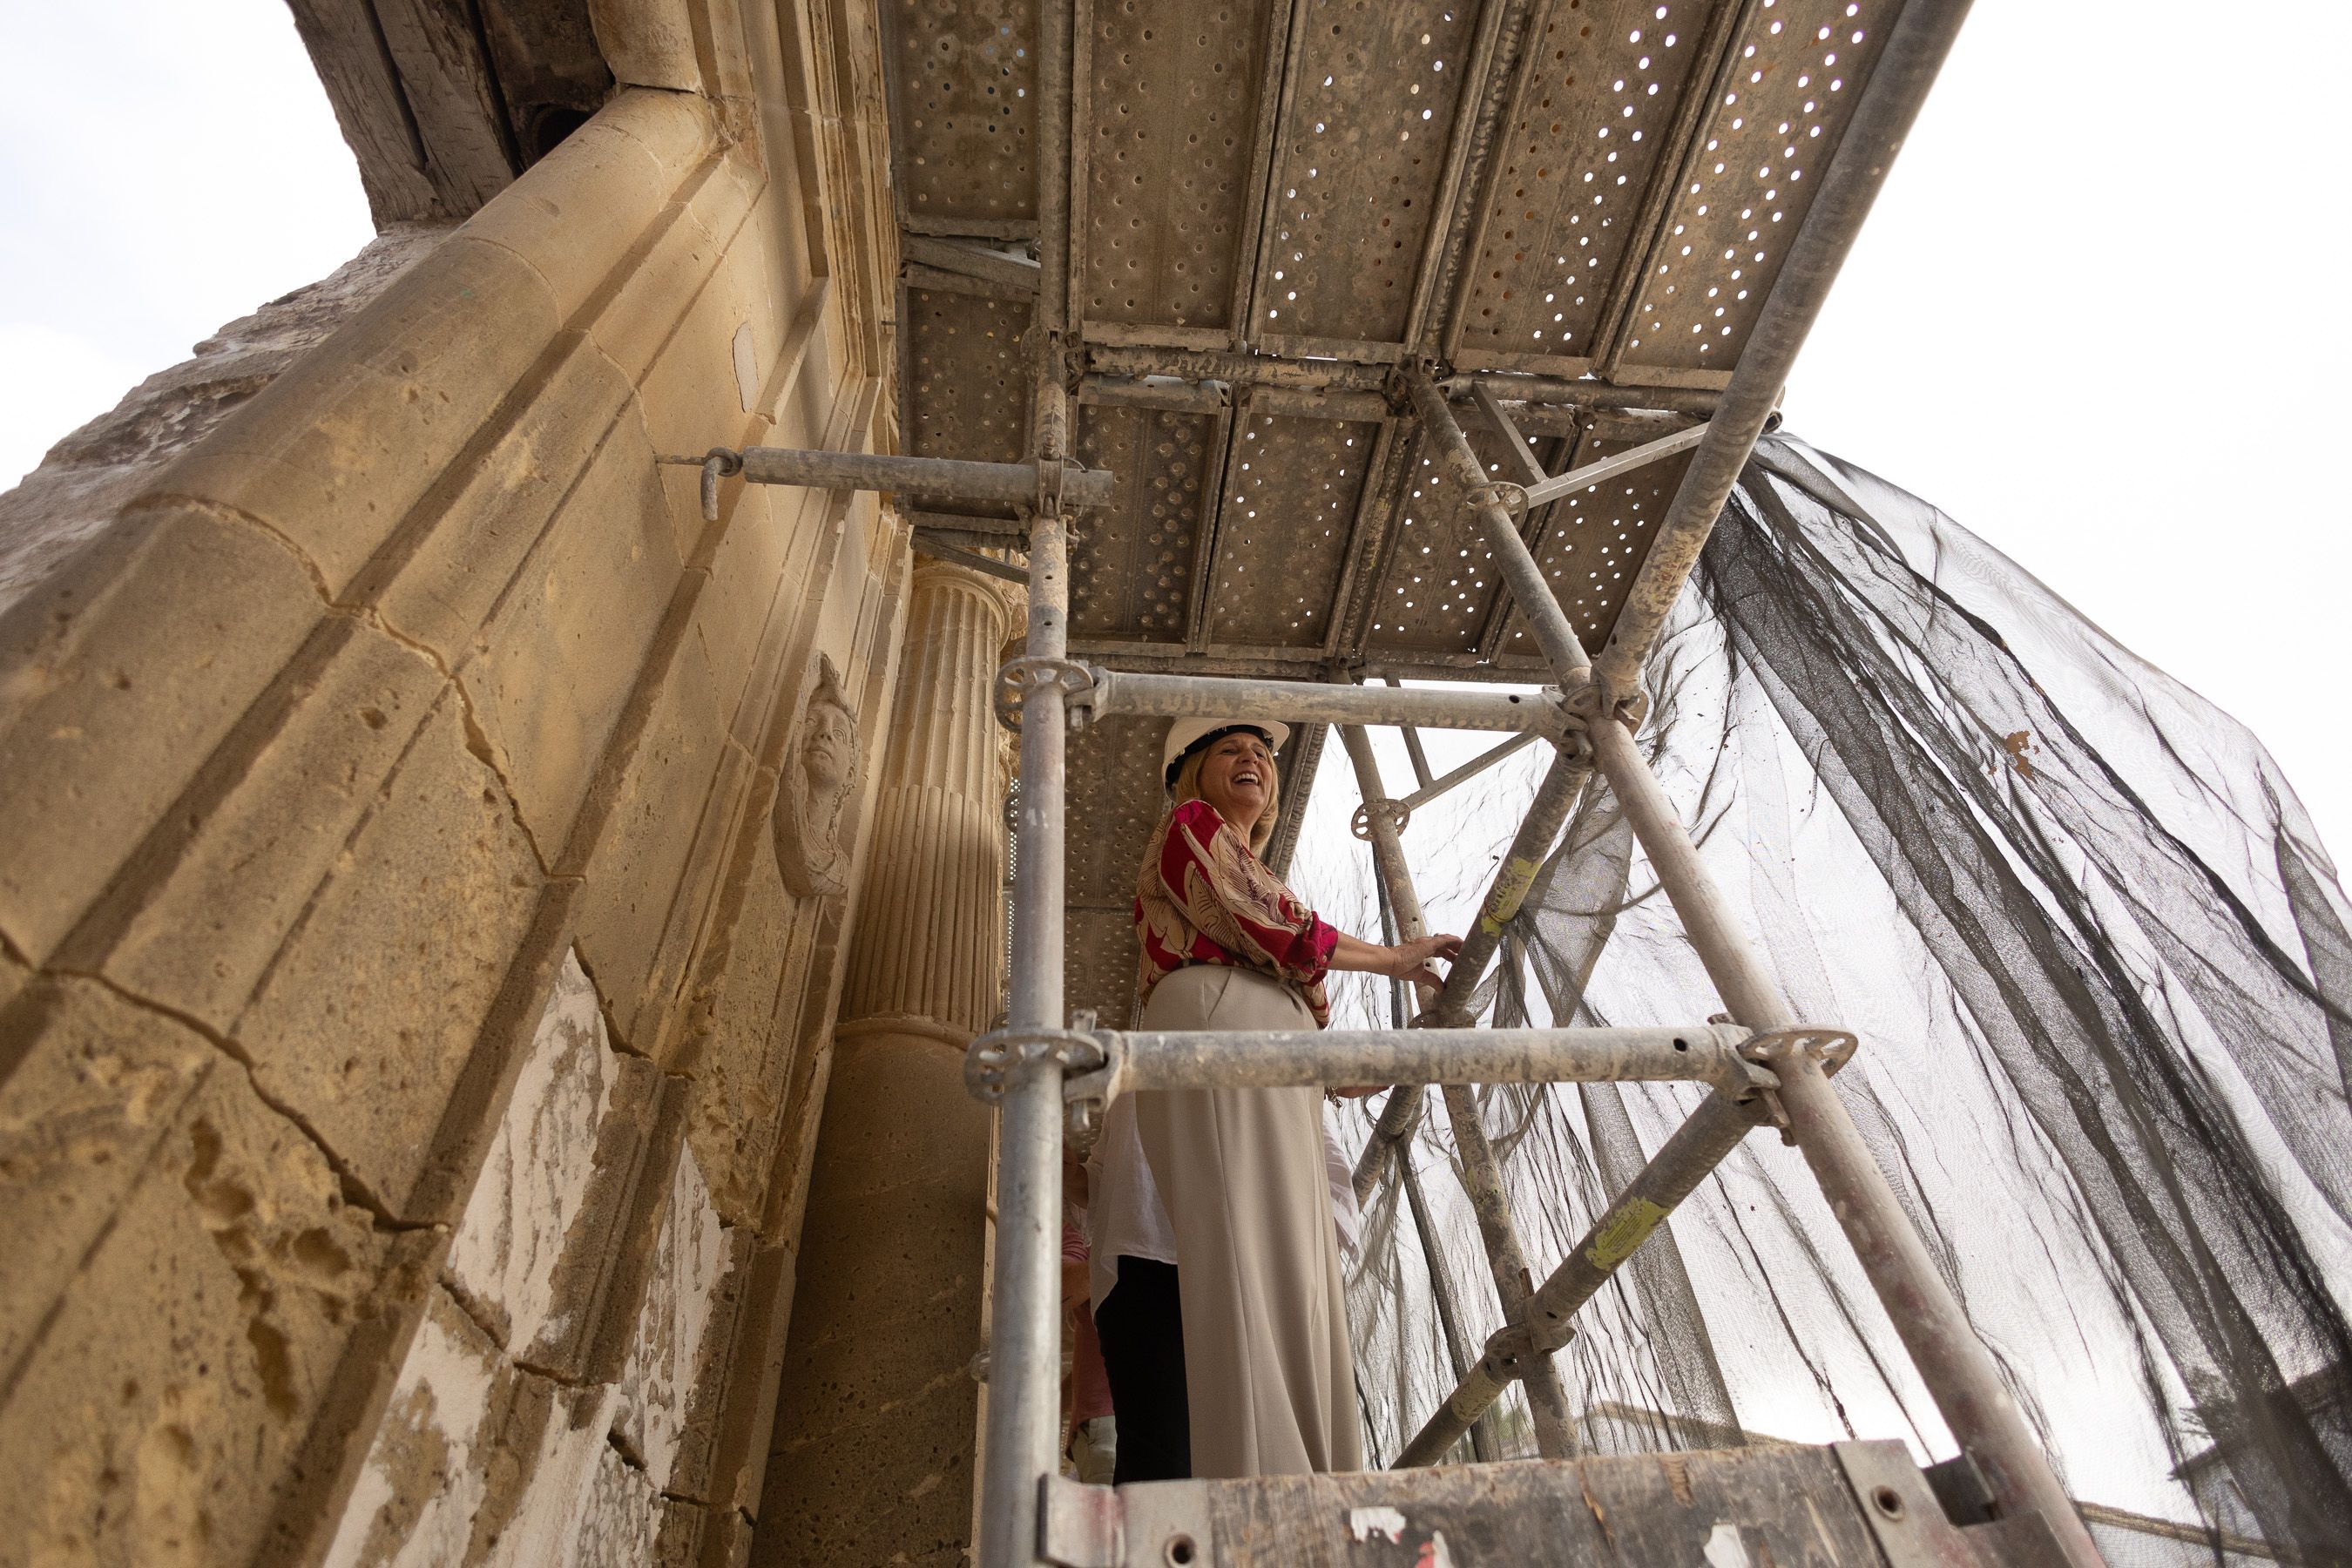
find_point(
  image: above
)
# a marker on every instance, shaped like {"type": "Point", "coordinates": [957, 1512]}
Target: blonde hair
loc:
{"type": "Point", "coordinates": [1188, 787]}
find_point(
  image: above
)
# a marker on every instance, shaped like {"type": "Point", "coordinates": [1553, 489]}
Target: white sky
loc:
{"type": "Point", "coordinates": [164, 168]}
{"type": "Point", "coordinates": [2084, 319]}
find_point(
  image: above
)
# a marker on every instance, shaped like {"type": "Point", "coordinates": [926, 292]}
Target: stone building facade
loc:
{"type": "Point", "coordinates": [484, 953]}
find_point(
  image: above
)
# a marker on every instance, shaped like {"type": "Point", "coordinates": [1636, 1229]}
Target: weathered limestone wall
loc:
{"type": "Point", "coordinates": [874, 1458]}
{"type": "Point", "coordinates": [424, 851]}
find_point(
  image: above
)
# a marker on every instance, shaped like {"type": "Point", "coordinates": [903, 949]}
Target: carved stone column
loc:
{"type": "Point", "coordinates": [872, 1458]}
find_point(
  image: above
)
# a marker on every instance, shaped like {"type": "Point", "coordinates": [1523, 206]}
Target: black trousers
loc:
{"type": "Point", "coordinates": [1141, 1326]}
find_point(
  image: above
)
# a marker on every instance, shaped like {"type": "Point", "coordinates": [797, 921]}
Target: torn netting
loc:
{"type": "Point", "coordinates": [2101, 967]}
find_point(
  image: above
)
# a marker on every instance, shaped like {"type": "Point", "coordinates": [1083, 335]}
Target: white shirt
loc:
{"type": "Point", "coordinates": [1125, 1217]}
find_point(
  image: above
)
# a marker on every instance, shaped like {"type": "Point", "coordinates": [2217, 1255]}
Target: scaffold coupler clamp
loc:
{"type": "Point", "coordinates": [1588, 702]}
{"type": "Point", "coordinates": [1393, 812]}
{"type": "Point", "coordinates": [1086, 1090]}
{"type": "Point", "coordinates": [1512, 497]}
{"type": "Point", "coordinates": [1578, 706]}
{"type": "Point", "coordinates": [1020, 677]}
{"type": "Point", "coordinates": [1830, 1048]}
{"type": "Point", "coordinates": [991, 1061]}
{"type": "Point", "coordinates": [1513, 1348]}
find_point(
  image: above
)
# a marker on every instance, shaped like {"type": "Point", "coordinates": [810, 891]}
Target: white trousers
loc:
{"type": "Point", "coordinates": [1267, 1366]}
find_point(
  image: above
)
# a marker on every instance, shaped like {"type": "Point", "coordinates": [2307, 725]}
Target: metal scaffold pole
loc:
{"type": "Point", "coordinates": [1023, 1422]}
{"type": "Point", "coordinates": [1025, 1339]}
{"type": "Point", "coordinates": [1555, 796]}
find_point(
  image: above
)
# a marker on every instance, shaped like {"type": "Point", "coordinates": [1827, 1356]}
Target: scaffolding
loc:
{"type": "Point", "coordinates": [1049, 1065]}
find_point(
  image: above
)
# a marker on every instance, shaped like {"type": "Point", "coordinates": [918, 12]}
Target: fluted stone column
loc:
{"type": "Point", "coordinates": [872, 1458]}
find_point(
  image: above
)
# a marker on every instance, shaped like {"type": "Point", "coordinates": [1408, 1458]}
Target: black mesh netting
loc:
{"type": "Point", "coordinates": [2101, 967]}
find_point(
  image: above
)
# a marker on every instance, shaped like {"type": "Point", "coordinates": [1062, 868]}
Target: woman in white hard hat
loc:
{"type": "Point", "coordinates": [1220, 1303]}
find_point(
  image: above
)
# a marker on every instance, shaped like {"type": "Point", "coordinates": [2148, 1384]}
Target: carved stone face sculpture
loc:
{"type": "Point", "coordinates": [813, 796]}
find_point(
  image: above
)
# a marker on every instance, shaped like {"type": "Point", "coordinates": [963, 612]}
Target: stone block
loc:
{"type": "Point", "coordinates": [678, 1543]}
{"type": "Point", "coordinates": [725, 203]}
{"type": "Point", "coordinates": [559, 658]}
{"type": "Point", "coordinates": [337, 452]}
{"type": "Point", "coordinates": [646, 806]}
{"type": "Point", "coordinates": [452, 570]}
{"type": "Point", "coordinates": [427, 1470]}
{"type": "Point", "coordinates": [534, 1253]}
{"type": "Point", "coordinates": [76, 493]}
{"type": "Point", "coordinates": [662, 1008]}
{"type": "Point", "coordinates": [739, 1460]}
{"type": "Point", "coordinates": [94, 1084]}
{"type": "Point", "coordinates": [540, 1175]}
{"type": "Point", "coordinates": [633, 325]}
{"type": "Point", "coordinates": [557, 1444]}
{"type": "Point", "coordinates": [689, 392]}
{"type": "Point", "coordinates": [861, 568]}
{"type": "Point", "coordinates": [735, 615]}
{"type": "Point", "coordinates": [201, 932]}
{"type": "Point", "coordinates": [805, 413]}
{"type": "Point", "coordinates": [810, 1034]}
{"type": "Point", "coordinates": [681, 489]}
{"type": "Point", "coordinates": [739, 1043]}
{"type": "Point", "coordinates": [715, 1367]}
{"type": "Point", "coordinates": [648, 43]}
{"type": "Point", "coordinates": [578, 212]}
{"type": "Point", "coordinates": [681, 1275]}
{"type": "Point", "coordinates": [725, 1542]}
{"type": "Point", "coordinates": [368, 1019]}
{"type": "Point", "coordinates": [588, 1260]}
{"type": "Point", "coordinates": [14, 978]}
{"type": "Point", "coordinates": [117, 679]}
{"type": "Point", "coordinates": [166, 1413]}
{"type": "Point", "coordinates": [619, 1517]}
{"type": "Point", "coordinates": [732, 61]}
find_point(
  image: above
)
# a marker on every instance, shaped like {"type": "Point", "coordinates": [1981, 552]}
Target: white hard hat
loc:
{"type": "Point", "coordinates": [1186, 733]}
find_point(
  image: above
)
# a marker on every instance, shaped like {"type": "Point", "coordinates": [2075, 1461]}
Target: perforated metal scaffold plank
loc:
{"type": "Point", "coordinates": [1131, 565]}
{"type": "Point", "coordinates": [969, 396]}
{"type": "Point", "coordinates": [1173, 91]}
{"type": "Point", "coordinates": [1590, 544]}
{"type": "Point", "coordinates": [965, 114]}
{"type": "Point", "coordinates": [1601, 83]}
{"type": "Point", "coordinates": [1290, 499]}
{"type": "Point", "coordinates": [1363, 152]}
{"type": "Point", "coordinates": [1778, 1503]}
{"type": "Point", "coordinates": [1793, 77]}
{"type": "Point", "coordinates": [1114, 769]}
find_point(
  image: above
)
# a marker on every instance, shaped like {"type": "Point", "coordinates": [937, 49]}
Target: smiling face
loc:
{"type": "Point", "coordinates": [1238, 778]}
